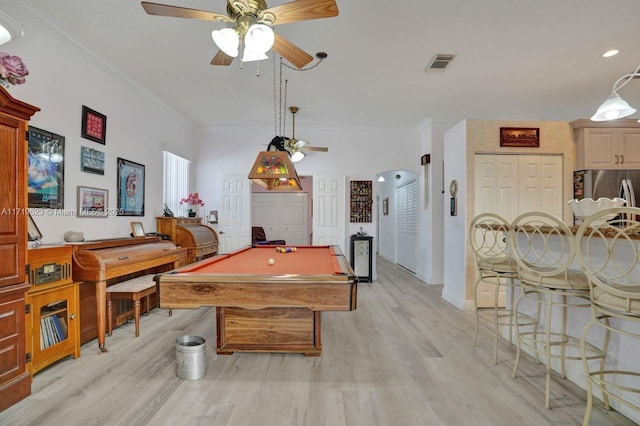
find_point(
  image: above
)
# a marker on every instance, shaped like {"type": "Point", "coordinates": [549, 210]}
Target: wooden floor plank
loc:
{"type": "Point", "coordinates": [404, 357]}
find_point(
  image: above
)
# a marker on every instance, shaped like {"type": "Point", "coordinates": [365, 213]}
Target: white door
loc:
{"type": "Point", "coordinates": [509, 185]}
{"type": "Point", "coordinates": [293, 219]}
{"type": "Point", "coordinates": [235, 217]}
{"type": "Point", "coordinates": [329, 210]}
{"type": "Point", "coordinates": [407, 225]}
{"type": "Point", "coordinates": [265, 209]}
{"type": "Point", "coordinates": [497, 185]}
{"type": "Point", "coordinates": [282, 215]}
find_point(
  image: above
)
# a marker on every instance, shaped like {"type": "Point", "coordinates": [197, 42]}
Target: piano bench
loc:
{"type": "Point", "coordinates": [133, 289]}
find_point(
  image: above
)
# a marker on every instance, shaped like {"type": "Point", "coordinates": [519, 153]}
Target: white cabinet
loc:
{"type": "Point", "coordinates": [607, 148]}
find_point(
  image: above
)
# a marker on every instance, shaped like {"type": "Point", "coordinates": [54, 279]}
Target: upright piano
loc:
{"type": "Point", "coordinates": [101, 263]}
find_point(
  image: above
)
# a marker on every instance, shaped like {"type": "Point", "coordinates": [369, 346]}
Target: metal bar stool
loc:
{"type": "Point", "coordinates": [544, 249]}
{"type": "Point", "coordinates": [609, 252]}
{"type": "Point", "coordinates": [495, 268]}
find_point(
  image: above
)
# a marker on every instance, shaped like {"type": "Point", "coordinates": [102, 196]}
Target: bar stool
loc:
{"type": "Point", "coordinates": [488, 239]}
{"type": "Point", "coordinates": [544, 247]}
{"type": "Point", "coordinates": [609, 252]}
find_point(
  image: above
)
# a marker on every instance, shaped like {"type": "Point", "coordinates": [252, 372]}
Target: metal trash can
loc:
{"type": "Point", "coordinates": [190, 357]}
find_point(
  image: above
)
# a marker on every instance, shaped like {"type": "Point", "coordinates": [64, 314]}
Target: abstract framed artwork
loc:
{"type": "Point", "coordinates": [45, 172]}
{"type": "Point", "coordinates": [92, 202]}
{"type": "Point", "coordinates": [94, 125]}
{"type": "Point", "coordinates": [130, 188]}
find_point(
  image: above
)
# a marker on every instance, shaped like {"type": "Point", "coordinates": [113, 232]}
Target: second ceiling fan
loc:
{"type": "Point", "coordinates": [248, 20]}
{"type": "Point", "coordinates": [295, 147]}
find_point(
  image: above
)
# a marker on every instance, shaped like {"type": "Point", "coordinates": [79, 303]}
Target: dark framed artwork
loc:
{"type": "Point", "coordinates": [91, 160]}
{"type": "Point", "coordinates": [45, 173]}
{"type": "Point", "coordinates": [520, 137]}
{"type": "Point", "coordinates": [92, 202]}
{"type": "Point", "coordinates": [94, 125]}
{"type": "Point", "coordinates": [130, 188]}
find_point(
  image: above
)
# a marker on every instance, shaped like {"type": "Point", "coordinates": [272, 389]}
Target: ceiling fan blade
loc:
{"type": "Point", "coordinates": [221, 58]}
{"type": "Point", "coordinates": [292, 53]}
{"type": "Point", "coordinates": [300, 10]}
{"type": "Point", "coordinates": [315, 148]}
{"type": "Point", "coordinates": [183, 12]}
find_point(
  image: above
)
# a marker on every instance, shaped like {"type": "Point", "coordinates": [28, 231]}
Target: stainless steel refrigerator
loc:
{"type": "Point", "coordinates": [607, 183]}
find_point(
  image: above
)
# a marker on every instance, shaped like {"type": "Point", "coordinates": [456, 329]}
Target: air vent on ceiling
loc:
{"type": "Point", "coordinates": [439, 62]}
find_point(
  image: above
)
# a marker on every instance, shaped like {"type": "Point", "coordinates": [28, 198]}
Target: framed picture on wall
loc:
{"type": "Point", "coordinates": [91, 160]}
{"type": "Point", "coordinates": [130, 188]}
{"type": "Point", "coordinates": [92, 202]}
{"type": "Point", "coordinates": [94, 125]}
{"type": "Point", "coordinates": [520, 137]}
{"type": "Point", "coordinates": [45, 173]}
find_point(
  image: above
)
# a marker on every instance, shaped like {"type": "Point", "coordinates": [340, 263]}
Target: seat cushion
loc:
{"type": "Point", "coordinates": [574, 279]}
{"type": "Point", "coordinates": [505, 266]}
{"type": "Point", "coordinates": [626, 299]}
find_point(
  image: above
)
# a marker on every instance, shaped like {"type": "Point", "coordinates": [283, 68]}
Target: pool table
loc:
{"type": "Point", "coordinates": [263, 307]}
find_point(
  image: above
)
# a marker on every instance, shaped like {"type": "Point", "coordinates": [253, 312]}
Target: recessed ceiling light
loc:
{"type": "Point", "coordinates": [610, 53]}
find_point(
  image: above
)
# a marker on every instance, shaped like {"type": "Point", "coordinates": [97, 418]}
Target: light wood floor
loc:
{"type": "Point", "coordinates": [404, 357]}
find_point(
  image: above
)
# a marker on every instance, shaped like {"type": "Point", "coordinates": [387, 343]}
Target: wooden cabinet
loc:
{"type": "Point", "coordinates": [15, 380]}
{"type": "Point", "coordinates": [53, 320]}
{"type": "Point", "coordinates": [603, 146]}
{"type": "Point", "coordinates": [199, 240]}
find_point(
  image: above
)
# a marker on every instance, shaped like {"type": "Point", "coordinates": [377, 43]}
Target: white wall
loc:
{"type": "Point", "coordinates": [360, 153]}
{"type": "Point", "coordinates": [455, 167]}
{"type": "Point", "coordinates": [430, 217]}
{"type": "Point", "coordinates": [63, 75]}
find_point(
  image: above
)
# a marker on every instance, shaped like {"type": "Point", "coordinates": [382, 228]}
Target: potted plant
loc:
{"type": "Point", "coordinates": [193, 201]}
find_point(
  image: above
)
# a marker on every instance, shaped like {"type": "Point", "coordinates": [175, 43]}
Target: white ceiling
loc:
{"type": "Point", "coordinates": [516, 59]}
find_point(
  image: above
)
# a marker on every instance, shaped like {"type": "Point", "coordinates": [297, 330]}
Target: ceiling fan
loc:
{"type": "Point", "coordinates": [295, 147]}
{"type": "Point", "coordinates": [248, 21]}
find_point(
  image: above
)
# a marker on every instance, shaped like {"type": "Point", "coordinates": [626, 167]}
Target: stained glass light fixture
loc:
{"type": "Point", "coordinates": [274, 171]}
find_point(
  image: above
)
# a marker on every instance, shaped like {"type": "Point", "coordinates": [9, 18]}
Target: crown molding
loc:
{"type": "Point", "coordinates": [86, 51]}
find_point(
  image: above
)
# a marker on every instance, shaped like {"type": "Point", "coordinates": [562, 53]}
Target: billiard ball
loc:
{"type": "Point", "coordinates": [272, 262]}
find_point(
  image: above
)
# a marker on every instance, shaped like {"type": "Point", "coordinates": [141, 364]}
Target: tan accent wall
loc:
{"type": "Point", "coordinates": [483, 136]}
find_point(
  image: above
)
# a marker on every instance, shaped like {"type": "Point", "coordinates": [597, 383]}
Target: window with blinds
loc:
{"type": "Point", "coordinates": [175, 181]}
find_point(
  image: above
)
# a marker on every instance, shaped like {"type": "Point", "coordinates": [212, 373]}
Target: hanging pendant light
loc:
{"type": "Point", "coordinates": [614, 106]}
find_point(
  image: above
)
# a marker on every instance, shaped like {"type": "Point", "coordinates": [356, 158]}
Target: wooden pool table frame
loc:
{"type": "Point", "coordinates": [262, 312]}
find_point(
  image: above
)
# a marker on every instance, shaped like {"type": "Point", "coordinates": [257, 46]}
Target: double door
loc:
{"type": "Point", "coordinates": [284, 216]}
{"type": "Point", "coordinates": [510, 185]}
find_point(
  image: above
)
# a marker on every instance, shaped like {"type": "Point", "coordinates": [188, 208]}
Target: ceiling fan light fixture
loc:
{"type": "Point", "coordinates": [250, 55]}
{"type": "Point", "coordinates": [297, 156]}
{"type": "Point", "coordinates": [227, 40]}
{"type": "Point", "coordinates": [613, 108]}
{"type": "Point", "coordinates": [259, 38]}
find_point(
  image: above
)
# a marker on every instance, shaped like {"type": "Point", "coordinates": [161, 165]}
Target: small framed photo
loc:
{"type": "Point", "coordinates": [137, 230]}
{"type": "Point", "coordinates": [33, 231]}
{"type": "Point", "coordinates": [385, 206]}
{"type": "Point", "coordinates": [92, 202]}
{"type": "Point", "coordinates": [94, 125]}
{"type": "Point", "coordinates": [520, 137]}
{"type": "Point", "coordinates": [91, 160]}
